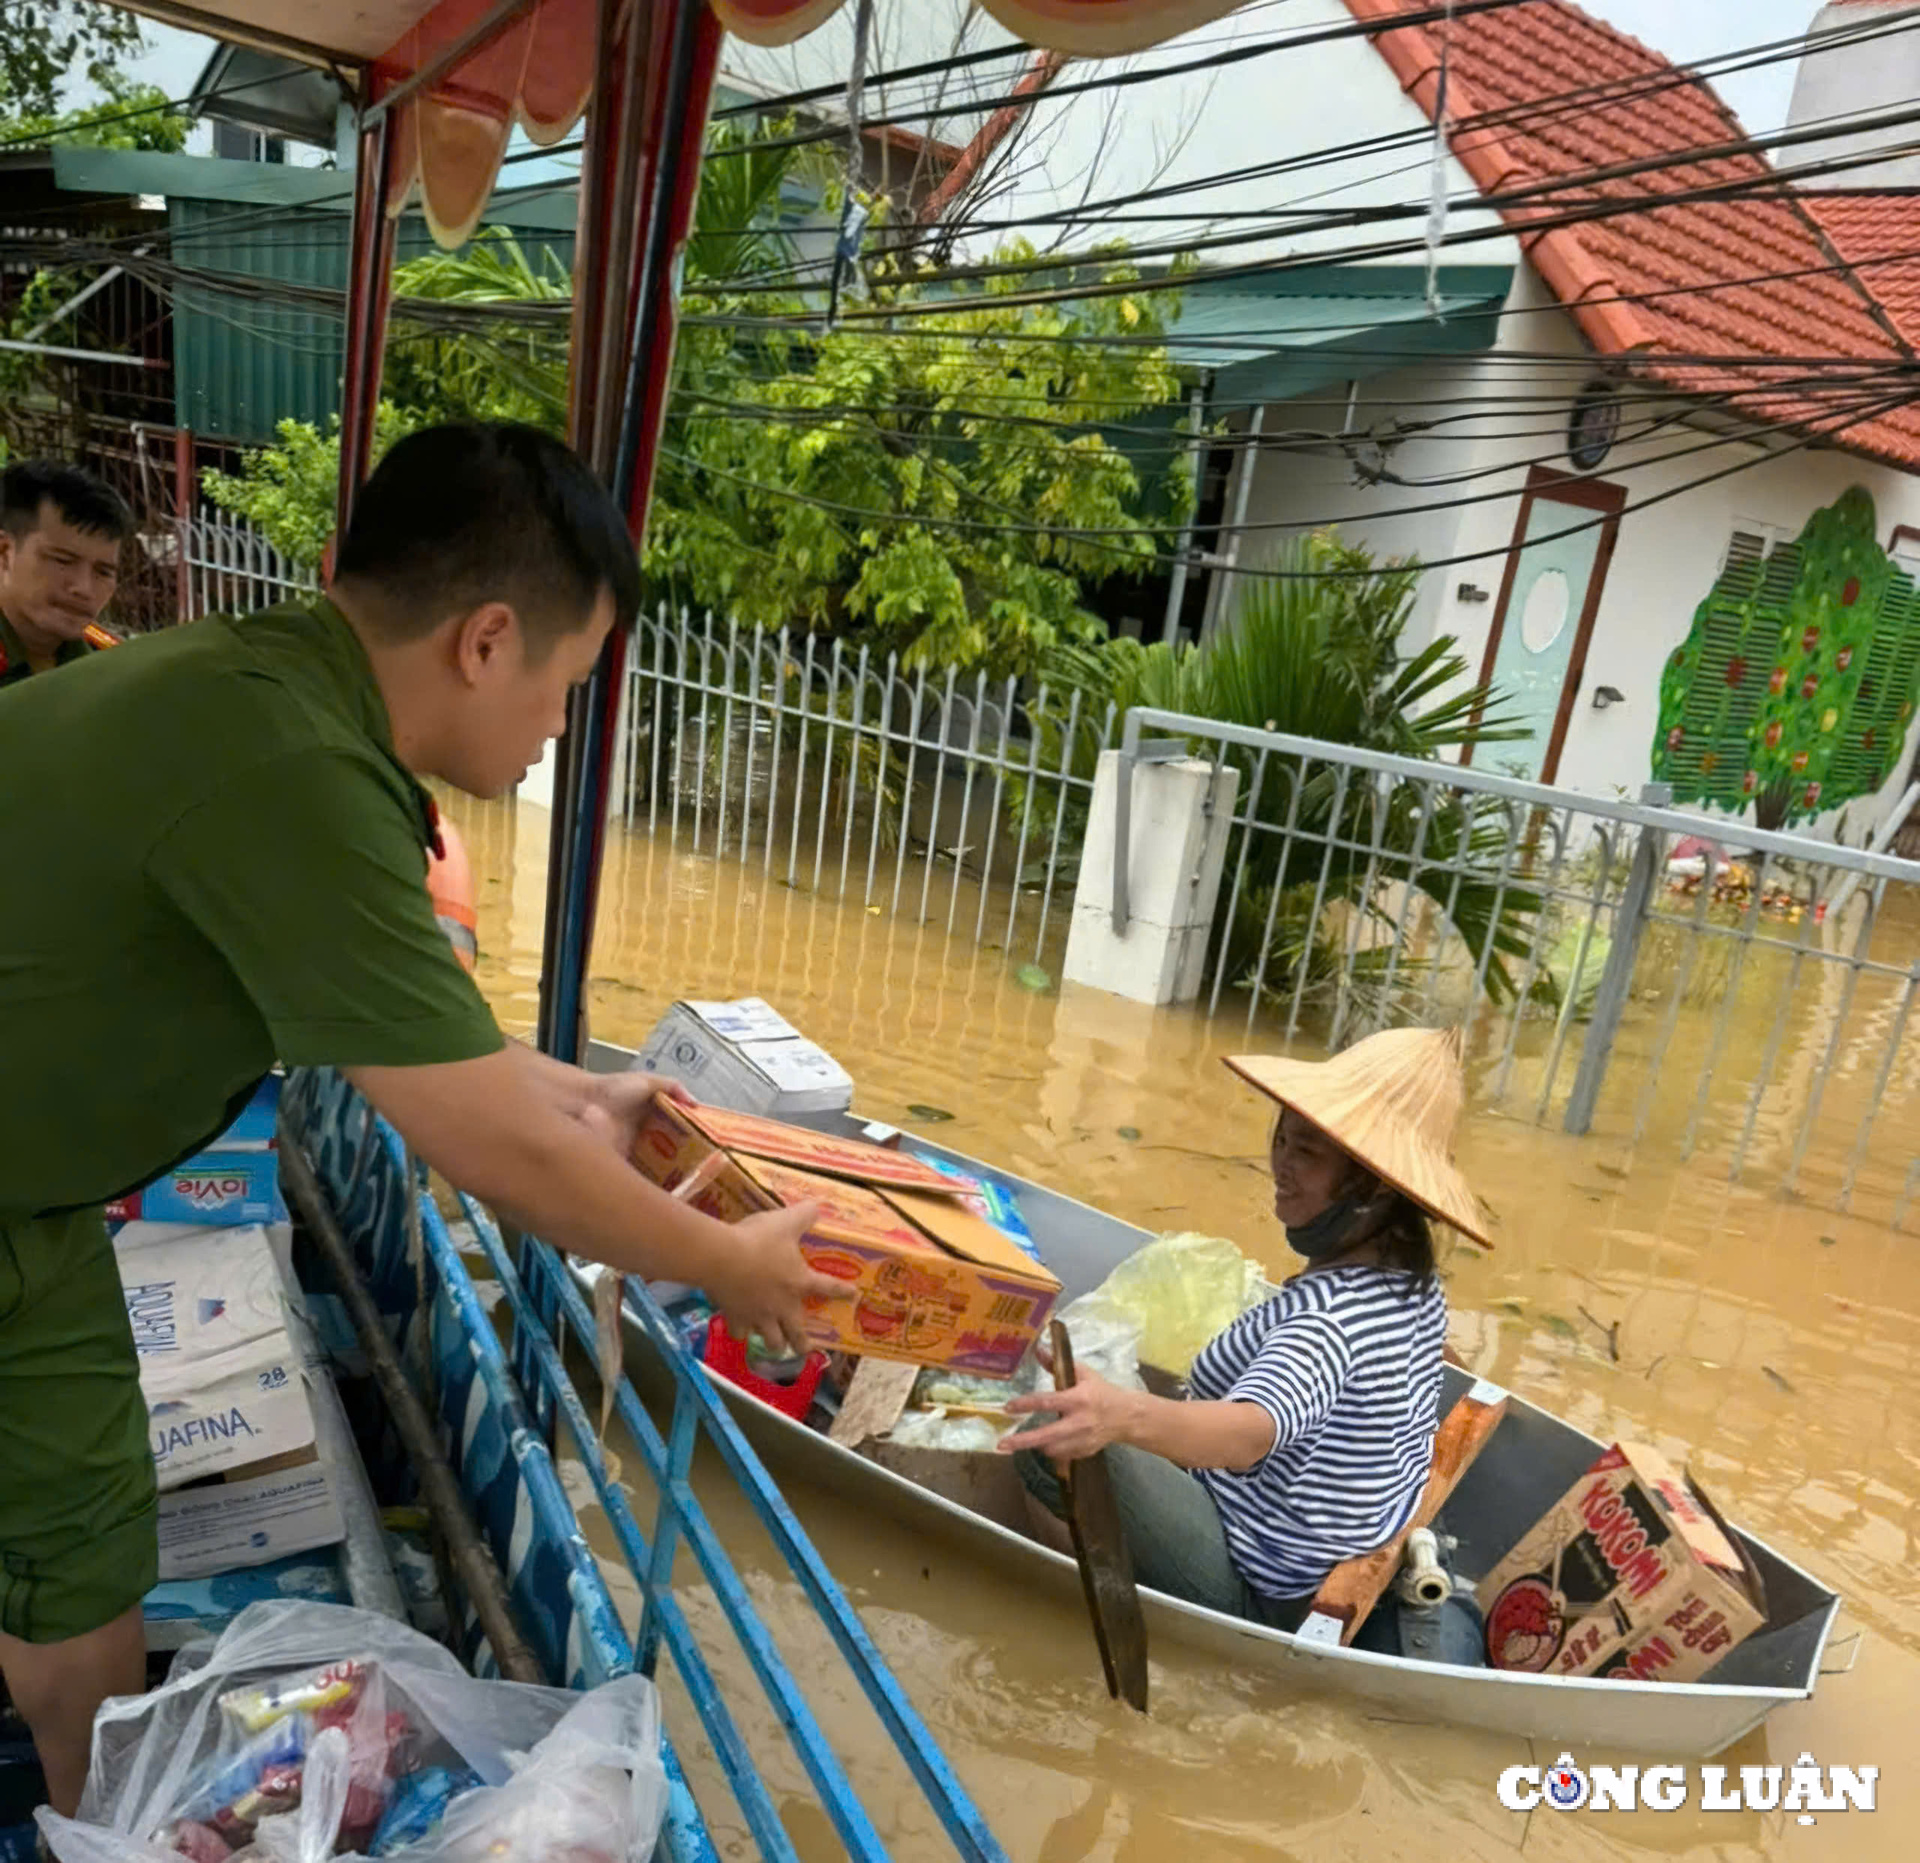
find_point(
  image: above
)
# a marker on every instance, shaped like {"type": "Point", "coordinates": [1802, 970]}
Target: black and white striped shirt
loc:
{"type": "Point", "coordinates": [1346, 1361]}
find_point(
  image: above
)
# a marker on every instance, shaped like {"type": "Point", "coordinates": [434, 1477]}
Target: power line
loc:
{"type": "Point", "coordinates": [1095, 536]}
{"type": "Point", "coordinates": [1766, 183]}
{"type": "Point", "coordinates": [1505, 469]}
{"type": "Point", "coordinates": [1552, 107]}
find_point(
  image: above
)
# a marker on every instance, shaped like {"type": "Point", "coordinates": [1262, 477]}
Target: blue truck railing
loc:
{"type": "Point", "coordinates": [498, 1424]}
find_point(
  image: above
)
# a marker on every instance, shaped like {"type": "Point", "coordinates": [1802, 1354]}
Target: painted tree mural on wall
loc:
{"type": "Point", "coordinates": [1793, 691]}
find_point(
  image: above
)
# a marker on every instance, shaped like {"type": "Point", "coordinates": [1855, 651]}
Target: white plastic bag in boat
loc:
{"type": "Point", "coordinates": [559, 1774]}
{"type": "Point", "coordinates": [934, 1429]}
{"type": "Point", "coordinates": [1106, 1337]}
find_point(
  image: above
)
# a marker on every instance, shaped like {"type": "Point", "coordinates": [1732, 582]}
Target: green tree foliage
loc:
{"type": "Point", "coordinates": [106, 124]}
{"type": "Point", "coordinates": [1794, 688]}
{"type": "Point", "coordinates": [288, 492]}
{"type": "Point", "coordinates": [46, 44]}
{"type": "Point", "coordinates": [941, 488]}
{"type": "Point", "coordinates": [1315, 652]}
{"type": "Point", "coordinates": [946, 492]}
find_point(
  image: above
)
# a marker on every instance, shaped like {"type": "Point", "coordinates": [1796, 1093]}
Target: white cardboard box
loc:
{"type": "Point", "coordinates": [248, 1520]}
{"type": "Point", "coordinates": [218, 1367]}
{"type": "Point", "coordinates": [745, 1056]}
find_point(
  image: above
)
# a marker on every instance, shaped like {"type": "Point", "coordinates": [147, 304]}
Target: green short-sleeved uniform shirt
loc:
{"type": "Point", "coordinates": [213, 860]}
{"type": "Point", "coordinates": [14, 667]}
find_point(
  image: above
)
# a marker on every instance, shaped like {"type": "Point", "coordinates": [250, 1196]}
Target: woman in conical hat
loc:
{"type": "Point", "coordinates": [1306, 1431]}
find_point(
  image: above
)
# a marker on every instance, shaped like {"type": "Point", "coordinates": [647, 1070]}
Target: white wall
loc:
{"type": "Point", "coordinates": [1876, 75]}
{"type": "Point", "coordinates": [1172, 131]}
{"type": "Point", "coordinates": [1182, 129]}
{"type": "Point", "coordinates": [1669, 548]}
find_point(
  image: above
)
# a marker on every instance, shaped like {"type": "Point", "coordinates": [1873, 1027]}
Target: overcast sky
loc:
{"type": "Point", "coordinates": [1682, 29]}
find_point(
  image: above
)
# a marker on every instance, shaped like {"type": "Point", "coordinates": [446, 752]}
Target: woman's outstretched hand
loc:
{"type": "Point", "coordinates": [1086, 1417]}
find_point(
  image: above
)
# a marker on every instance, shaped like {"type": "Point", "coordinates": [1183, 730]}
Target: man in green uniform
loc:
{"type": "Point", "coordinates": [215, 860]}
{"type": "Point", "coordinates": [60, 537]}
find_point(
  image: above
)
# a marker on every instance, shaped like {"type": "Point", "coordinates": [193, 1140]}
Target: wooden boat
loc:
{"type": "Point", "coordinates": [1529, 1462]}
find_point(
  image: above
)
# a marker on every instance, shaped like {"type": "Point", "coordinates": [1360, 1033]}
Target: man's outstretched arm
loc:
{"type": "Point", "coordinates": [507, 1129]}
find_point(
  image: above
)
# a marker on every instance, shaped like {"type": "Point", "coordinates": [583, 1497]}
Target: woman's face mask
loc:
{"type": "Point", "coordinates": [1328, 1233]}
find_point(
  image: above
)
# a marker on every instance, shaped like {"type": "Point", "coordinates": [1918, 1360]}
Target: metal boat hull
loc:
{"type": "Point", "coordinates": [1531, 1461]}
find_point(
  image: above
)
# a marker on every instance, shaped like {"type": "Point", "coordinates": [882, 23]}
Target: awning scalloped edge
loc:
{"type": "Point", "coordinates": [538, 74]}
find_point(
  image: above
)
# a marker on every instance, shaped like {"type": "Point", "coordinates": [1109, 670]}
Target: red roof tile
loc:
{"type": "Point", "coordinates": [1878, 234]}
{"type": "Point", "coordinates": [1709, 296]}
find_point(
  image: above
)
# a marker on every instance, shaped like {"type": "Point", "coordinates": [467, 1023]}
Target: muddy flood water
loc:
{"type": "Point", "coordinates": [1772, 1346]}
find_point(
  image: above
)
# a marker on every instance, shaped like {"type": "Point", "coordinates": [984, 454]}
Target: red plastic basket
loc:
{"type": "Point", "coordinates": [727, 1357]}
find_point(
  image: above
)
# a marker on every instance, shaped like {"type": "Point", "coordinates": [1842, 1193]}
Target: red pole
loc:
{"type": "Point", "coordinates": [667, 126]}
{"type": "Point", "coordinates": [369, 292]}
{"type": "Point", "coordinates": [183, 506]}
{"type": "Point", "coordinates": [674, 141]}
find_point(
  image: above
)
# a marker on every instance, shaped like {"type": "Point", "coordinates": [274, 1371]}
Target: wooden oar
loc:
{"type": "Point", "coordinates": [1351, 1590]}
{"type": "Point", "coordinates": [1106, 1567]}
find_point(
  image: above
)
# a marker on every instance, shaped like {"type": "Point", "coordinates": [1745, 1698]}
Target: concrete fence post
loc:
{"type": "Point", "coordinates": [1156, 838]}
{"type": "Point", "coordinates": [1616, 980]}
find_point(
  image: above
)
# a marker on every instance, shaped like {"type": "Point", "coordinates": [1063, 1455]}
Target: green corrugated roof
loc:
{"type": "Point", "coordinates": [240, 366]}
{"type": "Point", "coordinates": [1274, 336]}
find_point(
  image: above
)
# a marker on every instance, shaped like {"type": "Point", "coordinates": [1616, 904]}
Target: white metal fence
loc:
{"type": "Point", "coordinates": [832, 767]}
{"type": "Point", "coordinates": [1747, 1007]}
{"type": "Point", "coordinates": [232, 570]}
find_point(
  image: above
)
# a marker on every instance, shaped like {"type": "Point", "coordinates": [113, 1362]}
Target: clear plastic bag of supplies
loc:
{"type": "Point", "coordinates": [1181, 1290]}
{"type": "Point", "coordinates": [311, 1731]}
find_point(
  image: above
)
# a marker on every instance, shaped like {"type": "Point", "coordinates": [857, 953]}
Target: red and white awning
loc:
{"type": "Point", "coordinates": [537, 71]}
{"type": "Point", "coordinates": [538, 75]}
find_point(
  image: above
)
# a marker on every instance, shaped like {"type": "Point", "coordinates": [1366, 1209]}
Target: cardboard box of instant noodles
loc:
{"type": "Point", "coordinates": [927, 1280]}
{"type": "Point", "coordinates": [1631, 1574]}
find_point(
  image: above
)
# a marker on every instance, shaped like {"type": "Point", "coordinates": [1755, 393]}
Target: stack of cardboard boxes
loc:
{"type": "Point", "coordinates": [204, 1262]}
{"type": "Point", "coordinates": [927, 1280]}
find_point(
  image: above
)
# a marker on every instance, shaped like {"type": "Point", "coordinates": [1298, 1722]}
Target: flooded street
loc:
{"type": "Point", "coordinates": [1769, 1345]}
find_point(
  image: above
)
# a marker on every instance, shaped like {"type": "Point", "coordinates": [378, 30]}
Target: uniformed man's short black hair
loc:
{"type": "Point", "coordinates": [87, 503]}
{"type": "Point", "coordinates": [469, 513]}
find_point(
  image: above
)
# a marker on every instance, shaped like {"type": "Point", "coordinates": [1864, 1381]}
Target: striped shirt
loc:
{"type": "Point", "coordinates": [1346, 1361]}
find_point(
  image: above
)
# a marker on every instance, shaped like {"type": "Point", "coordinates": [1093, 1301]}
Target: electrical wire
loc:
{"type": "Point", "coordinates": [1764, 185]}
{"type": "Point", "coordinates": [1557, 103]}
{"type": "Point", "coordinates": [868, 516]}
{"type": "Point", "coordinates": [1413, 17]}
{"type": "Point", "coordinates": [1504, 469]}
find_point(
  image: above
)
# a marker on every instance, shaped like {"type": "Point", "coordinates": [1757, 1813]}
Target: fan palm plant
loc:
{"type": "Point", "coordinates": [1313, 652]}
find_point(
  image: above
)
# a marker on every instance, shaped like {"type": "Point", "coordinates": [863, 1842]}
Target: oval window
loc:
{"type": "Point", "coordinates": [1545, 615]}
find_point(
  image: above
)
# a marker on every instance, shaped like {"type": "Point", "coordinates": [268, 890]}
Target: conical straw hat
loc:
{"type": "Point", "coordinates": [1392, 1102]}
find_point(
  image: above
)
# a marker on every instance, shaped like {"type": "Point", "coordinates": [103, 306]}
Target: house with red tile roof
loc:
{"type": "Point", "coordinates": [1696, 354]}
{"type": "Point", "coordinates": [1644, 344]}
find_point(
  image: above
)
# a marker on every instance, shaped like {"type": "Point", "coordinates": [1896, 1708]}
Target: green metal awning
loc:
{"type": "Point", "coordinates": [1274, 336]}
{"type": "Point", "coordinates": [241, 366]}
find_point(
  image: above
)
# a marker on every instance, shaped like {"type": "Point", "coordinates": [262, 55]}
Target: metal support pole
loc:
{"type": "Point", "coordinates": [668, 131]}
{"type": "Point", "coordinates": [1177, 588]}
{"type": "Point", "coordinates": [369, 292]}
{"type": "Point", "coordinates": [473, 1564]}
{"type": "Point", "coordinates": [1616, 980]}
{"type": "Point", "coordinates": [184, 489]}
{"type": "Point", "coordinates": [1226, 559]}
